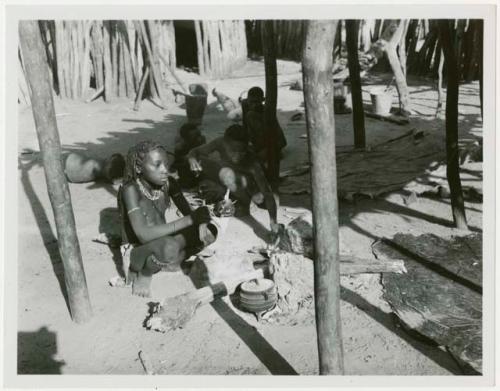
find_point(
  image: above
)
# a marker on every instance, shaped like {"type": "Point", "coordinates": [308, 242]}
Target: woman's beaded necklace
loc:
{"type": "Point", "coordinates": [154, 196]}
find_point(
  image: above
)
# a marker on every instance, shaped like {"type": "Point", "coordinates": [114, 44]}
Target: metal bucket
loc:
{"type": "Point", "coordinates": [381, 101]}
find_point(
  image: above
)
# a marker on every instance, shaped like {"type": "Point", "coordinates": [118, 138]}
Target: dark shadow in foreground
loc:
{"type": "Point", "coordinates": [36, 351]}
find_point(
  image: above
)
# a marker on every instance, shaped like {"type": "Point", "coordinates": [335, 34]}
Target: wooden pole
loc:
{"type": "Point", "coordinates": [199, 48]}
{"type": "Point", "coordinates": [270, 121]}
{"type": "Point", "coordinates": [358, 113]}
{"type": "Point", "coordinates": [60, 199]}
{"type": "Point", "coordinates": [154, 59]}
{"type": "Point", "coordinates": [440, 85]}
{"type": "Point", "coordinates": [97, 53]}
{"type": "Point", "coordinates": [480, 65]}
{"type": "Point", "coordinates": [317, 66]}
{"type": "Point", "coordinates": [452, 166]}
{"type": "Point", "coordinates": [108, 72]}
{"type": "Point", "coordinates": [140, 91]}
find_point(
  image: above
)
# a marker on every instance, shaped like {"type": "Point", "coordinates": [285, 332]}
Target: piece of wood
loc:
{"type": "Point", "coordinates": [317, 65]}
{"type": "Point", "coordinates": [206, 58]}
{"type": "Point", "coordinates": [452, 152]}
{"type": "Point", "coordinates": [146, 363]}
{"type": "Point", "coordinates": [439, 105]}
{"type": "Point", "coordinates": [154, 60]}
{"type": "Point", "coordinates": [175, 312]}
{"type": "Point", "coordinates": [85, 77]}
{"type": "Point", "coordinates": [97, 53]}
{"type": "Point", "coordinates": [96, 95]}
{"type": "Point", "coordinates": [199, 48]}
{"type": "Point", "coordinates": [358, 117]}
{"type": "Point", "coordinates": [174, 75]}
{"type": "Point", "coordinates": [480, 63]}
{"type": "Point", "coordinates": [140, 91]}
{"type": "Point", "coordinates": [109, 91]}
{"type": "Point", "coordinates": [388, 118]}
{"type": "Point", "coordinates": [48, 138]}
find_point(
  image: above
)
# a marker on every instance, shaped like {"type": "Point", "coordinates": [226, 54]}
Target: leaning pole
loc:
{"type": "Point", "coordinates": [42, 105]}
{"type": "Point", "coordinates": [317, 63]}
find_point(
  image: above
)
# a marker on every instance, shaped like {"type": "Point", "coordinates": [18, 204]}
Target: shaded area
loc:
{"type": "Point", "coordinates": [185, 44]}
{"type": "Point", "coordinates": [110, 234]}
{"type": "Point", "coordinates": [36, 351]}
{"type": "Point", "coordinates": [440, 308]}
{"type": "Point", "coordinates": [49, 239]}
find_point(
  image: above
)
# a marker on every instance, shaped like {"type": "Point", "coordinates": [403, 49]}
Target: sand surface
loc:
{"type": "Point", "coordinates": [220, 339]}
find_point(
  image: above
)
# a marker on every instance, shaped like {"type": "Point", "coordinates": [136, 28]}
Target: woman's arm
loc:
{"type": "Point", "coordinates": [175, 192]}
{"type": "Point", "coordinates": [143, 231]}
{"type": "Point", "coordinates": [203, 150]}
{"type": "Point", "coordinates": [266, 191]}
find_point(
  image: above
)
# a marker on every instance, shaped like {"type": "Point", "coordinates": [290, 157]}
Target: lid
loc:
{"type": "Point", "coordinates": [257, 285]}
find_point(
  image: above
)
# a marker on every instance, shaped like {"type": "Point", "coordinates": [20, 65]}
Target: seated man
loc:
{"type": "Point", "coordinates": [188, 138]}
{"type": "Point", "coordinates": [253, 121]}
{"type": "Point", "coordinates": [238, 170]}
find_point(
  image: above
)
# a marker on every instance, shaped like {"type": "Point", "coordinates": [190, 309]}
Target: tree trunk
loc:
{"type": "Point", "coordinates": [318, 98]}
{"type": "Point", "coordinates": [452, 167]}
{"type": "Point", "coordinates": [271, 122]}
{"type": "Point", "coordinates": [358, 113]}
{"type": "Point", "coordinates": [48, 138]}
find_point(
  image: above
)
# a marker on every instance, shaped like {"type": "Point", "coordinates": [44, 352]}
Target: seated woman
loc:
{"type": "Point", "coordinates": [152, 243]}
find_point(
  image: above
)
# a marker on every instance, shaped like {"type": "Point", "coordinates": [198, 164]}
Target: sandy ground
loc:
{"type": "Point", "coordinates": [219, 339]}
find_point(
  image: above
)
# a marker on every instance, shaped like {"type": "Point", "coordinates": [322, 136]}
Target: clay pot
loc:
{"type": "Point", "coordinates": [258, 295]}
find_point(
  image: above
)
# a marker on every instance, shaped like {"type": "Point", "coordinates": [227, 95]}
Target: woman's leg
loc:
{"type": "Point", "coordinates": [165, 253]}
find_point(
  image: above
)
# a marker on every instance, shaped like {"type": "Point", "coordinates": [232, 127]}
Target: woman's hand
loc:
{"type": "Point", "coordinates": [194, 165]}
{"type": "Point", "coordinates": [201, 215]}
{"type": "Point", "coordinates": [204, 234]}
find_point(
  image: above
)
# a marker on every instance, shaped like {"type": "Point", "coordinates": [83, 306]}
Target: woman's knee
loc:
{"type": "Point", "coordinates": [170, 250]}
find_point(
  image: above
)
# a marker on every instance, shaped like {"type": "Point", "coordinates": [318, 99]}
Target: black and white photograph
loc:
{"type": "Point", "coordinates": [256, 195]}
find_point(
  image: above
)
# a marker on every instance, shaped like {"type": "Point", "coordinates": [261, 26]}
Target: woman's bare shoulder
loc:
{"type": "Point", "coordinates": [130, 193]}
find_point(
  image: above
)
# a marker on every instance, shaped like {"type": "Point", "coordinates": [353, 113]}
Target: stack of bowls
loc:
{"type": "Point", "coordinates": [258, 295]}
